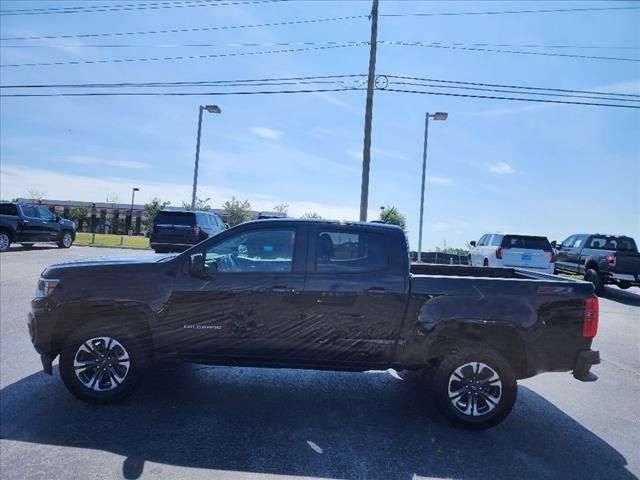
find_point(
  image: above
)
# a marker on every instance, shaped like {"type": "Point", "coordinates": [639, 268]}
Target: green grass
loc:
{"type": "Point", "coordinates": [575, 276]}
{"type": "Point", "coordinates": [104, 240]}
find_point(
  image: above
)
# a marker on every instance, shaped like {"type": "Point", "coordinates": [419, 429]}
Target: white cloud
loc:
{"type": "Point", "coordinates": [632, 87]}
{"type": "Point", "coordinates": [15, 181]}
{"type": "Point", "coordinates": [501, 168]}
{"type": "Point", "coordinates": [87, 160]}
{"type": "Point", "coordinates": [355, 153]}
{"type": "Point", "coordinates": [439, 226]}
{"type": "Point", "coordinates": [440, 181]}
{"type": "Point", "coordinates": [375, 151]}
{"type": "Point", "coordinates": [339, 103]}
{"type": "Point", "coordinates": [267, 133]}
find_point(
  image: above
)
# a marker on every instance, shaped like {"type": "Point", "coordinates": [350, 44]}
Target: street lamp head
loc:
{"type": "Point", "coordinates": [440, 115]}
{"type": "Point", "coordinates": [136, 189]}
{"type": "Point", "coordinates": [212, 108]}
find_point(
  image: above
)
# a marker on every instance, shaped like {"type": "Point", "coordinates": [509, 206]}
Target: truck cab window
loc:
{"type": "Point", "coordinates": [29, 211]}
{"type": "Point", "coordinates": [342, 252]}
{"type": "Point", "coordinates": [263, 250]}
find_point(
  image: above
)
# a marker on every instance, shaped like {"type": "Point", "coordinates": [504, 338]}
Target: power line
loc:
{"type": "Point", "coordinates": [319, 90]}
{"type": "Point", "coordinates": [130, 7]}
{"type": "Point", "coordinates": [518, 99]}
{"type": "Point", "coordinates": [519, 52]}
{"type": "Point", "coordinates": [177, 94]}
{"type": "Point", "coordinates": [497, 85]}
{"type": "Point", "coordinates": [319, 78]}
{"type": "Point", "coordinates": [547, 94]}
{"type": "Point", "coordinates": [506, 12]}
{"type": "Point", "coordinates": [208, 45]}
{"type": "Point", "coordinates": [190, 57]}
{"type": "Point", "coordinates": [196, 45]}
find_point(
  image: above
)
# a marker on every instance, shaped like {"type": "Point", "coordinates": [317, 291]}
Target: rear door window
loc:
{"type": "Point", "coordinates": [496, 241]}
{"type": "Point", "coordinates": [349, 252]}
{"type": "Point", "coordinates": [28, 211]}
{"type": "Point", "coordinates": [526, 242]}
{"type": "Point", "coordinates": [597, 242]}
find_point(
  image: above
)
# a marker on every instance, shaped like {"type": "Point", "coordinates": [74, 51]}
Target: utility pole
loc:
{"type": "Point", "coordinates": [371, 85]}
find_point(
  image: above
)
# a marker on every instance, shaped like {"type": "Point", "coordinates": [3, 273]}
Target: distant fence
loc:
{"type": "Point", "coordinates": [439, 257]}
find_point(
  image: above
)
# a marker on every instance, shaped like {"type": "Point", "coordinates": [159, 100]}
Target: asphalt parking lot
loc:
{"type": "Point", "coordinates": [232, 423]}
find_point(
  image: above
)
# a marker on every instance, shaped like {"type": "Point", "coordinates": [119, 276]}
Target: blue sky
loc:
{"type": "Point", "coordinates": [493, 165]}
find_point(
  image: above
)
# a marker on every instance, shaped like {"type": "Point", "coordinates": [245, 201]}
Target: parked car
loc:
{"type": "Point", "coordinates": [28, 224]}
{"type": "Point", "coordinates": [602, 259]}
{"type": "Point", "coordinates": [513, 250]}
{"type": "Point", "coordinates": [177, 230]}
{"type": "Point", "coordinates": [315, 295]}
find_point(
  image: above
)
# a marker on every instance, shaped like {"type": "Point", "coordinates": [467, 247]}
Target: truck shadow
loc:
{"type": "Point", "coordinates": [625, 297]}
{"type": "Point", "coordinates": [308, 423]}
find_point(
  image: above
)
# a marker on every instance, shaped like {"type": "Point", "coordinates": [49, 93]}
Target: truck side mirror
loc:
{"type": "Point", "coordinates": [196, 265]}
{"type": "Point", "coordinates": [554, 244]}
{"type": "Point", "coordinates": [472, 243]}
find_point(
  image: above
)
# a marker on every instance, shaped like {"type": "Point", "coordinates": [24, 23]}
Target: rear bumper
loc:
{"type": "Point", "coordinates": [173, 245]}
{"type": "Point", "coordinates": [584, 360]}
{"type": "Point", "coordinates": [625, 277]}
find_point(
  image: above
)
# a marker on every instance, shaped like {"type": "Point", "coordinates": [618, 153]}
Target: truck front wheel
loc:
{"type": "Point", "coordinates": [67, 240]}
{"type": "Point", "coordinates": [474, 388]}
{"type": "Point", "coordinates": [101, 364]}
{"type": "Point", "coordinates": [5, 240]}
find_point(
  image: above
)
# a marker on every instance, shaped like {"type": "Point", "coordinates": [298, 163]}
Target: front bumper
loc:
{"type": "Point", "coordinates": [584, 360]}
{"type": "Point", "coordinates": [40, 323]}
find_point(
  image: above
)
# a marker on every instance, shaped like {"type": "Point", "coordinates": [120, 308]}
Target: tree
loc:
{"type": "Point", "coordinates": [201, 204]}
{"type": "Point", "coordinates": [392, 216]}
{"type": "Point", "coordinates": [312, 215]}
{"type": "Point", "coordinates": [281, 208]}
{"type": "Point", "coordinates": [151, 209]}
{"type": "Point", "coordinates": [238, 211]}
{"type": "Point", "coordinates": [79, 215]}
{"type": "Point", "coordinates": [36, 195]}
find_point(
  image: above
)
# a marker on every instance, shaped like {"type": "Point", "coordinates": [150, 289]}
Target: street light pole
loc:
{"type": "Point", "coordinates": [210, 109]}
{"type": "Point", "coordinates": [435, 116]}
{"type": "Point", "coordinates": [133, 195]}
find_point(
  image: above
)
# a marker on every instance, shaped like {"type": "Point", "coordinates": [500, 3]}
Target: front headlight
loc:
{"type": "Point", "coordinates": [46, 286]}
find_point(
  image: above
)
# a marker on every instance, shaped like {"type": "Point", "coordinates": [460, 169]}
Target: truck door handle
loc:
{"type": "Point", "coordinates": [376, 291]}
{"type": "Point", "coordinates": [282, 289]}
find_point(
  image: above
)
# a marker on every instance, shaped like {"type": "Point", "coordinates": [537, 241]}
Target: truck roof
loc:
{"type": "Point", "coordinates": [314, 221]}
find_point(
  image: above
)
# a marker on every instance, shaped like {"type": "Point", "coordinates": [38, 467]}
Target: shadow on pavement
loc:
{"type": "Point", "coordinates": [621, 296]}
{"type": "Point", "coordinates": [308, 423]}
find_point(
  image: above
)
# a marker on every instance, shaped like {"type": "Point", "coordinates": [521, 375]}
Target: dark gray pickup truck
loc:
{"type": "Point", "coordinates": [602, 259]}
{"type": "Point", "coordinates": [28, 224]}
{"type": "Point", "coordinates": [316, 295]}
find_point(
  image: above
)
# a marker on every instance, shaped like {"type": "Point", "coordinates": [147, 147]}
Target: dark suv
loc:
{"type": "Point", "coordinates": [28, 224]}
{"type": "Point", "coordinates": [177, 230]}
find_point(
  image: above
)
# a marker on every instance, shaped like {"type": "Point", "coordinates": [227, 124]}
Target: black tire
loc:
{"type": "Point", "coordinates": [66, 240]}
{"type": "Point", "coordinates": [5, 240]}
{"type": "Point", "coordinates": [624, 285]}
{"type": "Point", "coordinates": [27, 245]}
{"type": "Point", "coordinates": [592, 276]}
{"type": "Point", "coordinates": [472, 405]}
{"type": "Point", "coordinates": [485, 263]}
{"type": "Point", "coordinates": [105, 382]}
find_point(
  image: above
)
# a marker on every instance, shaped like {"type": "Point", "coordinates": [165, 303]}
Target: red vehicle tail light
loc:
{"type": "Point", "coordinates": [591, 314]}
{"type": "Point", "coordinates": [611, 259]}
{"type": "Point", "coordinates": [499, 253]}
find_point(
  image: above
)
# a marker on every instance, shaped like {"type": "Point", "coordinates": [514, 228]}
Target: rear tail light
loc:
{"type": "Point", "coordinates": [499, 253]}
{"type": "Point", "coordinates": [46, 286]}
{"type": "Point", "coordinates": [553, 257]}
{"type": "Point", "coordinates": [611, 260]}
{"type": "Point", "coordinates": [196, 231]}
{"type": "Point", "coordinates": [591, 313]}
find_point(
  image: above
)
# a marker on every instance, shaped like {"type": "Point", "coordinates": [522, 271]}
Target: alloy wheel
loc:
{"type": "Point", "coordinates": [475, 389]}
{"type": "Point", "coordinates": [66, 240]}
{"type": "Point", "coordinates": [101, 363]}
{"type": "Point", "coordinates": [4, 241]}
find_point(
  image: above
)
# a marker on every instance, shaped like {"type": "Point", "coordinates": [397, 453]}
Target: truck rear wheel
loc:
{"type": "Point", "coordinates": [592, 276]}
{"type": "Point", "coordinates": [101, 364]}
{"type": "Point", "coordinates": [474, 388]}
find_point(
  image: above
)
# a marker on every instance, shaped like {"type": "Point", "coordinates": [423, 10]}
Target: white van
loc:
{"type": "Point", "coordinates": [513, 250]}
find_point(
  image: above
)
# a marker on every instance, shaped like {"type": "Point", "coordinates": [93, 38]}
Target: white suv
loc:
{"type": "Point", "coordinates": [513, 250]}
